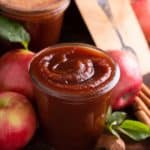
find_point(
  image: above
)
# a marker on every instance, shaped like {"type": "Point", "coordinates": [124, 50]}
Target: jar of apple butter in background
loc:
{"type": "Point", "coordinates": [41, 18]}
{"type": "Point", "coordinates": [73, 90]}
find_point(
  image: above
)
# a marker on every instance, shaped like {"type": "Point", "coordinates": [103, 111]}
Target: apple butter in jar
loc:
{"type": "Point", "coordinates": [41, 18]}
{"type": "Point", "coordinates": [73, 90]}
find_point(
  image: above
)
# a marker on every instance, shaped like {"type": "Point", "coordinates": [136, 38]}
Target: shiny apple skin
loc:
{"type": "Point", "coordinates": [17, 121]}
{"type": "Point", "coordinates": [14, 74]}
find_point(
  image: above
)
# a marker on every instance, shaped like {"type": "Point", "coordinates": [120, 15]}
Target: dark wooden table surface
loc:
{"type": "Point", "coordinates": [74, 30]}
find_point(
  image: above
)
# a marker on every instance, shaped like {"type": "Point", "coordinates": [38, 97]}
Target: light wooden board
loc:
{"type": "Point", "coordinates": [103, 33]}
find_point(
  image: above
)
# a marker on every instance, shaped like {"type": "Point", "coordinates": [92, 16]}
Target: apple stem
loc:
{"type": "Point", "coordinates": [25, 44]}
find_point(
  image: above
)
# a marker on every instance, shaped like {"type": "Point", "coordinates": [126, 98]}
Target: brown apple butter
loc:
{"type": "Point", "coordinates": [73, 86]}
{"type": "Point", "coordinates": [41, 18]}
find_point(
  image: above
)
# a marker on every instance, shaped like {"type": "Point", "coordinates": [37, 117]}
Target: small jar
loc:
{"type": "Point", "coordinates": [41, 18]}
{"type": "Point", "coordinates": [73, 90]}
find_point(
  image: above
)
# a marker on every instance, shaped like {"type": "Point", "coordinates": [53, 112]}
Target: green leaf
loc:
{"type": "Point", "coordinates": [113, 131]}
{"type": "Point", "coordinates": [116, 123]}
{"type": "Point", "coordinates": [109, 112]}
{"type": "Point", "coordinates": [13, 32]}
{"type": "Point", "coordinates": [116, 118]}
{"type": "Point", "coordinates": [135, 130]}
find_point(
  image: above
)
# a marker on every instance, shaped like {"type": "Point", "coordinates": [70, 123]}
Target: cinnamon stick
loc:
{"type": "Point", "coordinates": [146, 90]}
{"type": "Point", "coordinates": [140, 105]}
{"type": "Point", "coordinates": [142, 116]}
{"type": "Point", "coordinates": [145, 98]}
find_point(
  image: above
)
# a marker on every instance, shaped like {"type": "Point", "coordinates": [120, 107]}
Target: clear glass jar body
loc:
{"type": "Point", "coordinates": [43, 25]}
{"type": "Point", "coordinates": [72, 117]}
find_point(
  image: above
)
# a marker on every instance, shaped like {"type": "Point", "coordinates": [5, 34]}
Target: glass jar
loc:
{"type": "Point", "coordinates": [41, 18]}
{"type": "Point", "coordinates": [73, 90]}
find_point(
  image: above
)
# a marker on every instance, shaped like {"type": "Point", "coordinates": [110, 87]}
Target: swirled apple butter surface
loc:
{"type": "Point", "coordinates": [73, 87]}
{"type": "Point", "coordinates": [41, 18]}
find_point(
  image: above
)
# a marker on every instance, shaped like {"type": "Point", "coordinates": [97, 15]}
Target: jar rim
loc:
{"type": "Point", "coordinates": [50, 10]}
{"type": "Point", "coordinates": [74, 98]}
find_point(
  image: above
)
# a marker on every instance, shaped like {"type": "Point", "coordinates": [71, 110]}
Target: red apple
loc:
{"type": "Point", "coordinates": [142, 11]}
{"type": "Point", "coordinates": [17, 121]}
{"type": "Point", "coordinates": [14, 74]}
{"type": "Point", "coordinates": [130, 81]}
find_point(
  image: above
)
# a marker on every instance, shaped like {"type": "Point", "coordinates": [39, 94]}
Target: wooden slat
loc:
{"type": "Point", "coordinates": [98, 24]}
{"type": "Point", "coordinates": [103, 34]}
{"type": "Point", "coordinates": [131, 32]}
